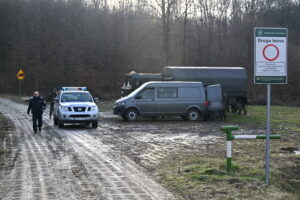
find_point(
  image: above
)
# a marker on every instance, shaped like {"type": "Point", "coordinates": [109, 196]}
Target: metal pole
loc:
{"type": "Point", "coordinates": [229, 156]}
{"type": "Point", "coordinates": [20, 87]}
{"type": "Point", "coordinates": [267, 172]}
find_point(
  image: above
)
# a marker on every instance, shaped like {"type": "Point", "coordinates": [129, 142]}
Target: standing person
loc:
{"type": "Point", "coordinates": [36, 106]}
{"type": "Point", "coordinates": [50, 99]}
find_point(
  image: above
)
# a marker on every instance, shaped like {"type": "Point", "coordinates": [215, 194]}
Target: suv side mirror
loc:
{"type": "Point", "coordinates": [55, 99]}
{"type": "Point", "coordinates": [96, 99]}
{"type": "Point", "coordinates": [138, 97]}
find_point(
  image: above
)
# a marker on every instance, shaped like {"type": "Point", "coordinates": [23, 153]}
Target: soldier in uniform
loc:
{"type": "Point", "coordinates": [36, 106]}
{"type": "Point", "coordinates": [50, 99]}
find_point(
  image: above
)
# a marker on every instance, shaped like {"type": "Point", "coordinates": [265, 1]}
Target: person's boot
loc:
{"type": "Point", "coordinates": [35, 131]}
{"type": "Point", "coordinates": [40, 129]}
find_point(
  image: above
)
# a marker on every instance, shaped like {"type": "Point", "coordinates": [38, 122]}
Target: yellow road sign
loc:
{"type": "Point", "coordinates": [20, 75]}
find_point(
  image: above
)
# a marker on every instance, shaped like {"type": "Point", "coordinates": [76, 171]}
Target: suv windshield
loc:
{"type": "Point", "coordinates": [76, 96]}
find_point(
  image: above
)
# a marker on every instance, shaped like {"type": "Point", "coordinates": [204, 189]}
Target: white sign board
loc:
{"type": "Point", "coordinates": [270, 55]}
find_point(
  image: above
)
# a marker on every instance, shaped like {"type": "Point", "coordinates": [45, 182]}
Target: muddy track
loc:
{"type": "Point", "coordinates": [72, 163]}
{"type": "Point", "coordinates": [150, 142]}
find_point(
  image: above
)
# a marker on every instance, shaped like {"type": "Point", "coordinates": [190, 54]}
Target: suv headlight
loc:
{"type": "Point", "coordinates": [94, 108]}
{"type": "Point", "coordinates": [64, 108]}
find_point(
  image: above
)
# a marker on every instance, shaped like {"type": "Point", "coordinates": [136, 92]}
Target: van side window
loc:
{"type": "Point", "coordinates": [148, 93]}
{"type": "Point", "coordinates": [167, 93]}
{"type": "Point", "coordinates": [189, 92]}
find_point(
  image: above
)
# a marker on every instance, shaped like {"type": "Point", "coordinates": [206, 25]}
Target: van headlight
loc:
{"type": "Point", "coordinates": [94, 109]}
{"type": "Point", "coordinates": [64, 108]}
{"type": "Point", "coordinates": [120, 104]}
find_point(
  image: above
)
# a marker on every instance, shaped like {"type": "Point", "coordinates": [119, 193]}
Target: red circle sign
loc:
{"type": "Point", "coordinates": [277, 52]}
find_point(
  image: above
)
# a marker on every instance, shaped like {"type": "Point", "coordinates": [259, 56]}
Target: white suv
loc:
{"type": "Point", "coordinates": [75, 105]}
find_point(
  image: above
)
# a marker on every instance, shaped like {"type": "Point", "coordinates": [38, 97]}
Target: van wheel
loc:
{"type": "Point", "coordinates": [131, 114]}
{"type": "Point", "coordinates": [60, 124]}
{"type": "Point", "coordinates": [193, 114]}
{"type": "Point", "coordinates": [94, 124]}
{"type": "Point", "coordinates": [55, 120]}
{"type": "Point", "coordinates": [123, 116]}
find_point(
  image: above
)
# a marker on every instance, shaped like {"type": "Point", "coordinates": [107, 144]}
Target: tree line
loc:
{"type": "Point", "coordinates": [94, 43]}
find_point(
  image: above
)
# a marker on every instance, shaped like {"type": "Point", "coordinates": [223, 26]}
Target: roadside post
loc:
{"type": "Point", "coordinates": [20, 76]}
{"type": "Point", "coordinates": [229, 138]}
{"type": "Point", "coordinates": [270, 67]}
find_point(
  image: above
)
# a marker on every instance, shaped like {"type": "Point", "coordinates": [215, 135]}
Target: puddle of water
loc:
{"type": "Point", "coordinates": [297, 152]}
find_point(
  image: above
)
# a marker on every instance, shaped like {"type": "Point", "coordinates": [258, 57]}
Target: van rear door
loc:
{"type": "Point", "coordinates": [215, 98]}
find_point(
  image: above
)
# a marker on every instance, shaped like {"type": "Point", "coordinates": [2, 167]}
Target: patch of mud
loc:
{"type": "Point", "coordinates": [289, 149]}
{"type": "Point", "coordinates": [149, 142]}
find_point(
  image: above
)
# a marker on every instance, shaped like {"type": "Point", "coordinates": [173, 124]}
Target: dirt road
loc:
{"type": "Point", "coordinates": [75, 162]}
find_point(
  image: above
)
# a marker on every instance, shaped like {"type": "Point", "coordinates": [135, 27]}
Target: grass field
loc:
{"type": "Point", "coordinates": [282, 117]}
{"type": "Point", "coordinates": [204, 176]}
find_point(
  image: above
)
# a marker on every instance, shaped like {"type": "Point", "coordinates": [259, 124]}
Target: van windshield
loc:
{"type": "Point", "coordinates": [135, 92]}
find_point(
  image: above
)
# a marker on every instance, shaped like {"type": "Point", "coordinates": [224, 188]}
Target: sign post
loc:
{"type": "Point", "coordinates": [20, 76]}
{"type": "Point", "coordinates": [270, 67]}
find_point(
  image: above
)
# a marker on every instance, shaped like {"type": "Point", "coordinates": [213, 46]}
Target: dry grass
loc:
{"type": "Point", "coordinates": [204, 176]}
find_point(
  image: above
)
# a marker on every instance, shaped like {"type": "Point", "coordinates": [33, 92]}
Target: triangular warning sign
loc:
{"type": "Point", "coordinates": [20, 74]}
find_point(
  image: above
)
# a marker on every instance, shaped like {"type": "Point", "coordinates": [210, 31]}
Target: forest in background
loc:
{"type": "Point", "coordinates": [94, 43]}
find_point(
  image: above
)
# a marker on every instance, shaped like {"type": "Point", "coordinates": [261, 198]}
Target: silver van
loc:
{"type": "Point", "coordinates": [185, 99]}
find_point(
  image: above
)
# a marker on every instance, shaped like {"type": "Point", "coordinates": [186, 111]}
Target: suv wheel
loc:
{"type": "Point", "coordinates": [55, 120]}
{"type": "Point", "coordinates": [60, 124]}
{"type": "Point", "coordinates": [131, 114]}
{"type": "Point", "coordinates": [193, 114]}
{"type": "Point", "coordinates": [95, 124]}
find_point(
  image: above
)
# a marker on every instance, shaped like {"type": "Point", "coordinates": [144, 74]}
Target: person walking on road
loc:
{"type": "Point", "coordinates": [36, 106]}
{"type": "Point", "coordinates": [50, 99]}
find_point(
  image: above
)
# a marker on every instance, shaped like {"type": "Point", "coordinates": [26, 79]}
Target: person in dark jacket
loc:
{"type": "Point", "coordinates": [36, 106]}
{"type": "Point", "coordinates": [50, 99]}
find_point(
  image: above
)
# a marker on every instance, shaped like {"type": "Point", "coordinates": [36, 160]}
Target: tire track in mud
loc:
{"type": "Point", "coordinates": [33, 161]}
{"type": "Point", "coordinates": [10, 170]}
{"type": "Point", "coordinates": [60, 168]}
{"type": "Point", "coordinates": [118, 172]}
{"type": "Point", "coordinates": [70, 164]}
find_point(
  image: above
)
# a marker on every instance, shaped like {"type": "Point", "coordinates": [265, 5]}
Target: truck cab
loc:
{"type": "Point", "coordinates": [75, 105]}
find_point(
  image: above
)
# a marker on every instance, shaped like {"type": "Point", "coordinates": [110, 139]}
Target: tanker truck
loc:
{"type": "Point", "coordinates": [233, 81]}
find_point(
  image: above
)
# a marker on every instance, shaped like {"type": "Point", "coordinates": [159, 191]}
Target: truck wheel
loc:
{"type": "Point", "coordinates": [131, 114]}
{"type": "Point", "coordinates": [55, 120]}
{"type": "Point", "coordinates": [193, 114]}
{"type": "Point", "coordinates": [95, 124]}
{"type": "Point", "coordinates": [60, 124]}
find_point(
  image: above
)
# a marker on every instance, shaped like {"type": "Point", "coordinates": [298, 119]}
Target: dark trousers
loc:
{"type": "Point", "coordinates": [37, 118]}
{"type": "Point", "coordinates": [51, 109]}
